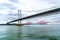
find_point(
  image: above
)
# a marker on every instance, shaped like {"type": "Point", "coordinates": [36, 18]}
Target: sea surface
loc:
{"type": "Point", "coordinates": [30, 32]}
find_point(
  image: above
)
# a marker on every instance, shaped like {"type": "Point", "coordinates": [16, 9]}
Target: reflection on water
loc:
{"type": "Point", "coordinates": [30, 32]}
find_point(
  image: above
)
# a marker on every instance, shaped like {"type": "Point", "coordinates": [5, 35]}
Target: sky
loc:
{"type": "Point", "coordinates": [28, 7]}
{"type": "Point", "coordinates": [7, 6]}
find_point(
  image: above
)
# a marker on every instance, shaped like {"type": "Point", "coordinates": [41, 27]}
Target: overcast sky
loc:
{"type": "Point", "coordinates": [7, 6]}
{"type": "Point", "coordinates": [11, 6]}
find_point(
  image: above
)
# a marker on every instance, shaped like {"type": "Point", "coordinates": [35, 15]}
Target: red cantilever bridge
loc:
{"type": "Point", "coordinates": [45, 13]}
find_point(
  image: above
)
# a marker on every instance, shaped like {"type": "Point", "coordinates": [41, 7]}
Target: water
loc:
{"type": "Point", "coordinates": [30, 32]}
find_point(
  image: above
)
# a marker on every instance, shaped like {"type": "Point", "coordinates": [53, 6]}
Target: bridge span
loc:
{"type": "Point", "coordinates": [49, 12]}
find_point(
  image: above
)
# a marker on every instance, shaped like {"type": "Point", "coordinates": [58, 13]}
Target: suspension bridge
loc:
{"type": "Point", "coordinates": [45, 13]}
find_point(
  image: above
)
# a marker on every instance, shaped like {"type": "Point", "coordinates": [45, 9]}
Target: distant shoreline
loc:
{"type": "Point", "coordinates": [7, 24]}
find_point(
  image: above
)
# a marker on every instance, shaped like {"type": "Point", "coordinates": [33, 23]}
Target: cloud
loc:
{"type": "Point", "coordinates": [6, 11]}
{"type": "Point", "coordinates": [16, 1]}
{"type": "Point", "coordinates": [55, 2]}
{"type": "Point", "coordinates": [24, 5]}
{"type": "Point", "coordinates": [3, 1]}
{"type": "Point", "coordinates": [34, 4]}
